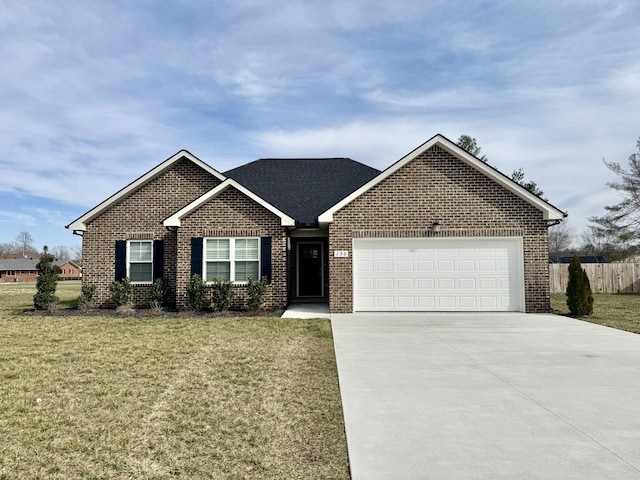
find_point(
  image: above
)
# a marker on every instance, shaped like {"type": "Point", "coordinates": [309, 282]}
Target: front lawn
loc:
{"type": "Point", "coordinates": [621, 311]}
{"type": "Point", "coordinates": [103, 397]}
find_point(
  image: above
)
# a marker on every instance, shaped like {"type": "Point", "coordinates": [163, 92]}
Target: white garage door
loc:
{"type": "Point", "coordinates": [443, 274]}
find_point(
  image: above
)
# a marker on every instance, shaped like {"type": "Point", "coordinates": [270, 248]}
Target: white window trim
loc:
{"type": "Point", "coordinates": [129, 261]}
{"type": "Point", "coordinates": [232, 260]}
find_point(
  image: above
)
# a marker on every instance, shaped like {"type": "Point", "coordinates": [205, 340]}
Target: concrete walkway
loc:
{"type": "Point", "coordinates": [488, 396]}
{"type": "Point", "coordinates": [310, 310]}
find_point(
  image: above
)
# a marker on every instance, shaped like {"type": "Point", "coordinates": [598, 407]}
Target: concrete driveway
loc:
{"type": "Point", "coordinates": [496, 396]}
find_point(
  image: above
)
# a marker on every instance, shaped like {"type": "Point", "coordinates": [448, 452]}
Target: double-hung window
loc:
{"type": "Point", "coordinates": [231, 259]}
{"type": "Point", "coordinates": [140, 261]}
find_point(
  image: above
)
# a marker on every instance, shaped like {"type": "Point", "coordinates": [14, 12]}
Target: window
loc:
{"type": "Point", "coordinates": [231, 259]}
{"type": "Point", "coordinates": [140, 261]}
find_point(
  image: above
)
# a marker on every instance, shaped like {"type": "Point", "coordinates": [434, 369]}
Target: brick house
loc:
{"type": "Point", "coordinates": [69, 270]}
{"type": "Point", "coordinates": [439, 230]}
{"type": "Point", "coordinates": [25, 270]}
{"type": "Point", "coordinates": [18, 270]}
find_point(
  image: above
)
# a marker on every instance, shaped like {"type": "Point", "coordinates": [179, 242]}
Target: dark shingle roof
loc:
{"type": "Point", "coordinates": [303, 188]}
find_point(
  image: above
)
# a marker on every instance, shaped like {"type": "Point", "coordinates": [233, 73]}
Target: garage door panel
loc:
{"type": "Point", "coordinates": [365, 283]}
{"type": "Point", "coordinates": [487, 283]}
{"type": "Point", "coordinates": [455, 274]}
{"type": "Point", "coordinates": [424, 265]}
{"type": "Point", "coordinates": [364, 266]}
{"type": "Point", "coordinates": [446, 302]}
{"type": "Point", "coordinates": [404, 266]}
{"type": "Point", "coordinates": [385, 302]}
{"type": "Point", "coordinates": [406, 302]}
{"type": "Point", "coordinates": [467, 302]}
{"type": "Point", "coordinates": [446, 283]}
{"type": "Point", "coordinates": [426, 284]}
{"type": "Point", "coordinates": [487, 266]}
{"type": "Point", "coordinates": [488, 302]}
{"type": "Point", "coordinates": [384, 266]}
{"type": "Point", "coordinates": [446, 266]}
{"type": "Point", "coordinates": [426, 302]}
{"type": "Point", "coordinates": [467, 283]}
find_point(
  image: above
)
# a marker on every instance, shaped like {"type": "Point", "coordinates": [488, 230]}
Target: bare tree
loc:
{"type": "Point", "coordinates": [596, 241]}
{"type": "Point", "coordinates": [561, 237]}
{"type": "Point", "coordinates": [76, 252]}
{"type": "Point", "coordinates": [61, 252]}
{"type": "Point", "coordinates": [6, 248]}
{"type": "Point", "coordinates": [25, 241]}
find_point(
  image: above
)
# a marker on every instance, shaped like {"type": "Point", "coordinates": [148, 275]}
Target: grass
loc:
{"type": "Point", "coordinates": [612, 310]}
{"type": "Point", "coordinates": [102, 397]}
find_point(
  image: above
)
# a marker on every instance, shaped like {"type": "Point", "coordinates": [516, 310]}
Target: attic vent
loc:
{"type": "Point", "coordinates": [140, 236]}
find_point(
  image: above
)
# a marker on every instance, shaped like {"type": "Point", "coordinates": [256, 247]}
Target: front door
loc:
{"type": "Point", "coordinates": [310, 269]}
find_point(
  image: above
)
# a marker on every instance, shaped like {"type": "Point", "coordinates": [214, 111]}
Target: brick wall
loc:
{"type": "Point", "coordinates": [232, 214]}
{"type": "Point", "coordinates": [139, 215]}
{"type": "Point", "coordinates": [438, 186]}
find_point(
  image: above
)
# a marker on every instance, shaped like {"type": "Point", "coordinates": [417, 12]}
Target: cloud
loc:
{"type": "Point", "coordinates": [98, 93]}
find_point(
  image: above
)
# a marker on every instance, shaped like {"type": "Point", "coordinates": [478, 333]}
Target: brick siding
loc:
{"type": "Point", "coordinates": [232, 214]}
{"type": "Point", "coordinates": [438, 186]}
{"type": "Point", "coordinates": [139, 215]}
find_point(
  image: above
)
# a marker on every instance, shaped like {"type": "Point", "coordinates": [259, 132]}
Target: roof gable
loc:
{"type": "Point", "coordinates": [303, 187]}
{"type": "Point", "coordinates": [549, 211]}
{"type": "Point", "coordinates": [80, 224]}
{"type": "Point", "coordinates": [175, 219]}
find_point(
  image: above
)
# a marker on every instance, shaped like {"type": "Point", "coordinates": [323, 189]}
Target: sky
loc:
{"type": "Point", "coordinates": [93, 94]}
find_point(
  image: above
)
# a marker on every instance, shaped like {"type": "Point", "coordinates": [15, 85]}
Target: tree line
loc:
{"type": "Point", "coordinates": [23, 247]}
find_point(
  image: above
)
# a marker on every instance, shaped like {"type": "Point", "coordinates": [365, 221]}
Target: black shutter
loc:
{"type": "Point", "coordinates": [158, 259]}
{"type": "Point", "coordinates": [196, 256]}
{"type": "Point", "coordinates": [121, 259]}
{"type": "Point", "coordinates": [265, 258]}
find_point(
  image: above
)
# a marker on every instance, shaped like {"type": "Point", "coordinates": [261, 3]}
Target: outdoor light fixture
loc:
{"type": "Point", "coordinates": [436, 226]}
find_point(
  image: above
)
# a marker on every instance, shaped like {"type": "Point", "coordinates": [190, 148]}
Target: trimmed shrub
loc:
{"type": "Point", "coordinates": [45, 297]}
{"type": "Point", "coordinates": [159, 293]}
{"type": "Point", "coordinates": [221, 295]}
{"type": "Point", "coordinates": [87, 290]}
{"type": "Point", "coordinates": [579, 294]}
{"type": "Point", "coordinates": [121, 292]}
{"type": "Point", "coordinates": [196, 293]}
{"type": "Point", "coordinates": [255, 293]}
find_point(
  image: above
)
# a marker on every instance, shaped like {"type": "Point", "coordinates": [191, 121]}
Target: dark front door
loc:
{"type": "Point", "coordinates": [310, 269]}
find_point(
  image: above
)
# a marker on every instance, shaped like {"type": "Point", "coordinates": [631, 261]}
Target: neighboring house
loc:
{"type": "Point", "coordinates": [70, 270]}
{"type": "Point", "coordinates": [25, 270]}
{"type": "Point", "coordinates": [18, 270]}
{"type": "Point", "coordinates": [439, 230]}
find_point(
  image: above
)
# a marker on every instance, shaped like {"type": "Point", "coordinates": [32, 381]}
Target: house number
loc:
{"type": "Point", "coordinates": [341, 253]}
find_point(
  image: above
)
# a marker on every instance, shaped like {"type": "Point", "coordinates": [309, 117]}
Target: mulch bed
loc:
{"type": "Point", "coordinates": [149, 313]}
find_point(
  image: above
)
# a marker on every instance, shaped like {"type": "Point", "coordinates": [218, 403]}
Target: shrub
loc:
{"type": "Point", "coordinates": [221, 295]}
{"type": "Point", "coordinates": [255, 293]}
{"type": "Point", "coordinates": [196, 292]}
{"type": "Point", "coordinates": [121, 292]}
{"type": "Point", "coordinates": [87, 291]}
{"type": "Point", "coordinates": [159, 293]}
{"type": "Point", "coordinates": [45, 297]}
{"type": "Point", "coordinates": [579, 294]}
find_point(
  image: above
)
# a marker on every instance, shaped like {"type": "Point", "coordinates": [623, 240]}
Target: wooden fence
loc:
{"type": "Point", "coordinates": [604, 277]}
